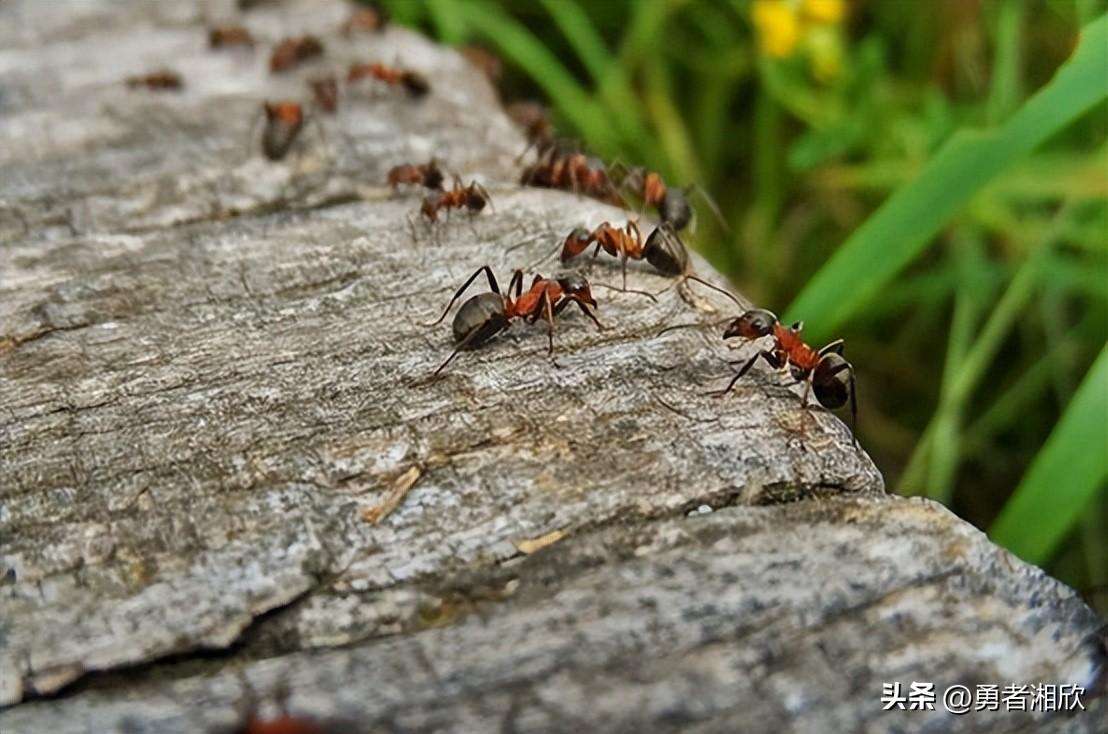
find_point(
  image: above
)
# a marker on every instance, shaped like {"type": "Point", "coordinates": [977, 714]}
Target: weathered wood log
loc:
{"type": "Point", "coordinates": [212, 375]}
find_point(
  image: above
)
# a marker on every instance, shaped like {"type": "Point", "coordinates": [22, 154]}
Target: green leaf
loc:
{"type": "Point", "coordinates": [1064, 477]}
{"type": "Point", "coordinates": [520, 46]}
{"type": "Point", "coordinates": [903, 226]}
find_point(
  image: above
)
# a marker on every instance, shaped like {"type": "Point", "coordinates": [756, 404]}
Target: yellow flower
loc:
{"type": "Point", "coordinates": [824, 11]}
{"type": "Point", "coordinates": [778, 26]}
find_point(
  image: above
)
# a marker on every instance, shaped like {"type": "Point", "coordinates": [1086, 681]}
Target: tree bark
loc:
{"type": "Point", "coordinates": [221, 459]}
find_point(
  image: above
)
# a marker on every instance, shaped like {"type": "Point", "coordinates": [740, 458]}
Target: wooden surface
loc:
{"type": "Point", "coordinates": [212, 373]}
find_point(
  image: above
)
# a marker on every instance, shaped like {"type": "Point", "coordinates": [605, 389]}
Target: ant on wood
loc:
{"type": "Point", "coordinates": [484, 316]}
{"type": "Point", "coordinates": [371, 19]}
{"type": "Point", "coordinates": [672, 204]}
{"type": "Point", "coordinates": [291, 52]}
{"type": "Point", "coordinates": [252, 722]}
{"type": "Point", "coordinates": [571, 171]}
{"type": "Point", "coordinates": [534, 120]}
{"type": "Point", "coordinates": [227, 36]}
{"type": "Point", "coordinates": [158, 81]}
{"type": "Point", "coordinates": [414, 83]}
{"type": "Point", "coordinates": [325, 92]}
{"type": "Point", "coordinates": [284, 122]}
{"type": "Point", "coordinates": [427, 175]}
{"type": "Point", "coordinates": [825, 372]}
{"type": "Point", "coordinates": [472, 198]}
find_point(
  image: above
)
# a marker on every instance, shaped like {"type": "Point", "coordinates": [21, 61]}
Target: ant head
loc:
{"type": "Point", "coordinates": [831, 382]}
{"type": "Point", "coordinates": [575, 243]}
{"type": "Point", "coordinates": [753, 324]}
{"type": "Point", "coordinates": [675, 209]}
{"type": "Point", "coordinates": [576, 286]}
{"type": "Point", "coordinates": [666, 252]}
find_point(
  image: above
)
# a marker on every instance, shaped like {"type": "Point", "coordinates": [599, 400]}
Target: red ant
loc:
{"type": "Point", "coordinates": [414, 83]}
{"type": "Point", "coordinates": [572, 171]}
{"type": "Point", "coordinates": [672, 204]}
{"type": "Point", "coordinates": [427, 175]}
{"type": "Point", "coordinates": [473, 198]}
{"type": "Point", "coordinates": [229, 35]}
{"type": "Point", "coordinates": [484, 316]}
{"type": "Point", "coordinates": [284, 122]}
{"type": "Point", "coordinates": [484, 61]}
{"type": "Point", "coordinates": [662, 249]}
{"type": "Point", "coordinates": [158, 81]}
{"type": "Point", "coordinates": [325, 91]}
{"type": "Point", "coordinates": [292, 51]}
{"type": "Point", "coordinates": [824, 372]}
{"type": "Point", "coordinates": [366, 20]}
{"type": "Point", "coordinates": [284, 723]}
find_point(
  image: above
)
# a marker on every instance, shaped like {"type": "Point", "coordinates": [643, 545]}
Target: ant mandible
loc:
{"type": "Point", "coordinates": [292, 51]}
{"type": "Point", "coordinates": [484, 316]}
{"type": "Point", "coordinates": [428, 175]}
{"type": "Point", "coordinates": [473, 198]}
{"type": "Point", "coordinates": [824, 372]}
{"type": "Point", "coordinates": [414, 83]}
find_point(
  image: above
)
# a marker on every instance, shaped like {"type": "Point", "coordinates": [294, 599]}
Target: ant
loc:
{"type": "Point", "coordinates": [325, 91]}
{"type": "Point", "coordinates": [571, 171]}
{"type": "Point", "coordinates": [473, 198]}
{"type": "Point", "coordinates": [284, 122]}
{"type": "Point", "coordinates": [369, 19]}
{"type": "Point", "coordinates": [484, 316]}
{"type": "Point", "coordinates": [292, 51]}
{"type": "Point", "coordinates": [427, 175]}
{"type": "Point", "coordinates": [662, 248]}
{"type": "Point", "coordinates": [484, 61]}
{"type": "Point", "coordinates": [414, 83]}
{"type": "Point", "coordinates": [158, 81]}
{"type": "Point", "coordinates": [672, 204]}
{"type": "Point", "coordinates": [824, 372]}
{"type": "Point", "coordinates": [227, 36]}
{"type": "Point", "coordinates": [251, 722]}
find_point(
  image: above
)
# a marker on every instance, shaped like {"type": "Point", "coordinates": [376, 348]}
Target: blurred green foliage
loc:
{"type": "Point", "coordinates": [928, 180]}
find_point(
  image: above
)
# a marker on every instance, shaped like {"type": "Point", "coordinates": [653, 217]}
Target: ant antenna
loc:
{"type": "Point", "coordinates": [694, 325]}
{"type": "Point", "coordinates": [627, 290]}
{"type": "Point", "coordinates": [458, 294]}
{"type": "Point", "coordinates": [716, 288]}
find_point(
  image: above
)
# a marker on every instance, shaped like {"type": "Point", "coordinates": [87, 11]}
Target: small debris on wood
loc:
{"type": "Point", "coordinates": [534, 545]}
{"type": "Point", "coordinates": [400, 489]}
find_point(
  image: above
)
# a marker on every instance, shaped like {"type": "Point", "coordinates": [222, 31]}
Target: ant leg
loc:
{"type": "Point", "coordinates": [623, 267]}
{"type": "Point", "coordinates": [711, 204]}
{"type": "Point", "coordinates": [807, 389]}
{"type": "Point", "coordinates": [548, 308]}
{"type": "Point", "coordinates": [716, 288]}
{"type": "Point", "coordinates": [461, 346]}
{"type": "Point", "coordinates": [517, 283]}
{"type": "Point", "coordinates": [738, 375]}
{"type": "Point", "coordinates": [852, 387]}
{"type": "Point", "coordinates": [588, 312]}
{"type": "Point", "coordinates": [492, 286]}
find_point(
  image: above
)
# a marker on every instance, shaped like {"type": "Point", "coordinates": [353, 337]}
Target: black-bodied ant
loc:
{"type": "Point", "coordinates": [484, 316]}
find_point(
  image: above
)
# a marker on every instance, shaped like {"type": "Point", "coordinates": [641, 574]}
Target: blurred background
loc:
{"type": "Point", "coordinates": [927, 180]}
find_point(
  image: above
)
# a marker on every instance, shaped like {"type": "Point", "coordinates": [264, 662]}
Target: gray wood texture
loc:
{"type": "Point", "coordinates": [212, 376]}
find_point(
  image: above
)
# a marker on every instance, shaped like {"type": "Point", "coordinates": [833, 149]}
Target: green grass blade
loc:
{"type": "Point", "coordinates": [900, 229]}
{"type": "Point", "coordinates": [520, 46]}
{"type": "Point", "coordinates": [1064, 477]}
{"type": "Point", "coordinates": [448, 21]}
{"type": "Point", "coordinates": [611, 79]}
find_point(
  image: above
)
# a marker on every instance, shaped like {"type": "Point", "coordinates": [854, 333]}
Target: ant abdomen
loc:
{"type": "Point", "coordinates": [484, 312]}
{"type": "Point", "coordinates": [831, 382]}
{"type": "Point", "coordinates": [666, 253]}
